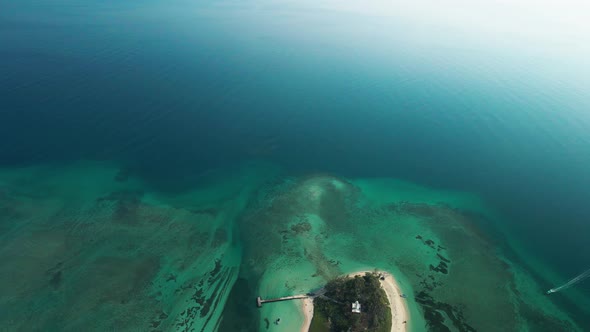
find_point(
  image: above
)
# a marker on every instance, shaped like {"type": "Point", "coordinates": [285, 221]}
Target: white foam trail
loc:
{"type": "Point", "coordinates": [570, 283]}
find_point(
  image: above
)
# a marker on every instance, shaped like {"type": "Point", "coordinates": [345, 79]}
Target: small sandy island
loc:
{"type": "Point", "coordinates": [397, 304]}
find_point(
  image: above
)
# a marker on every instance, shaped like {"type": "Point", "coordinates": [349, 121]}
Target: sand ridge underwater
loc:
{"type": "Point", "coordinates": [85, 247]}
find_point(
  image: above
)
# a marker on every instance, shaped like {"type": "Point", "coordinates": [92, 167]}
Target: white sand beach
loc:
{"type": "Point", "coordinates": [307, 307]}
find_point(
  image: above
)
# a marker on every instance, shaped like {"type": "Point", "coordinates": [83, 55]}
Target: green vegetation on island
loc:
{"type": "Point", "coordinates": [333, 311]}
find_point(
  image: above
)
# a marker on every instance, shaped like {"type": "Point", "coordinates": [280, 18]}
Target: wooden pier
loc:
{"type": "Point", "coordinates": [260, 301]}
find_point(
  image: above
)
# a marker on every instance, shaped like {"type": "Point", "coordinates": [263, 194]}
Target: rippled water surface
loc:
{"type": "Point", "coordinates": [164, 163]}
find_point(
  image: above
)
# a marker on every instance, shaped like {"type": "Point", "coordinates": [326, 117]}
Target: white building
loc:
{"type": "Point", "coordinates": [356, 307]}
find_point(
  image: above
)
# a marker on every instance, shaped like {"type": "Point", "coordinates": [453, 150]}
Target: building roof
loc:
{"type": "Point", "coordinates": [356, 307]}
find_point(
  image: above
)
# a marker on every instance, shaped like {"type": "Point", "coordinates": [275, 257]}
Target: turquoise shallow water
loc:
{"type": "Point", "coordinates": [392, 233]}
{"type": "Point", "coordinates": [163, 163]}
{"type": "Point", "coordinates": [117, 250]}
{"type": "Point", "coordinates": [114, 252]}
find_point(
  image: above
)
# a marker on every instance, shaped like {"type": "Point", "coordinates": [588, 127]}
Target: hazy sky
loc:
{"type": "Point", "coordinates": [555, 23]}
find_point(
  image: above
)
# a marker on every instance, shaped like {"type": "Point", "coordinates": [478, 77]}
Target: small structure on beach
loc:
{"type": "Point", "coordinates": [356, 307]}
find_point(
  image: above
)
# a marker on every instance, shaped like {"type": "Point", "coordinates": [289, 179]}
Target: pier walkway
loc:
{"type": "Point", "coordinates": [260, 301]}
{"type": "Point", "coordinates": [318, 293]}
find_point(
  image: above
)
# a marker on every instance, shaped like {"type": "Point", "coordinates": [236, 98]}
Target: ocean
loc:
{"type": "Point", "coordinates": [164, 163]}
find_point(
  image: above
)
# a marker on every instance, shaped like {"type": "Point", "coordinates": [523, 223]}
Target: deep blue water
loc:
{"type": "Point", "coordinates": [177, 88]}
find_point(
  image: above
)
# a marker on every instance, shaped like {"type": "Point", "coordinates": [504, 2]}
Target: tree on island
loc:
{"type": "Point", "coordinates": [334, 308]}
